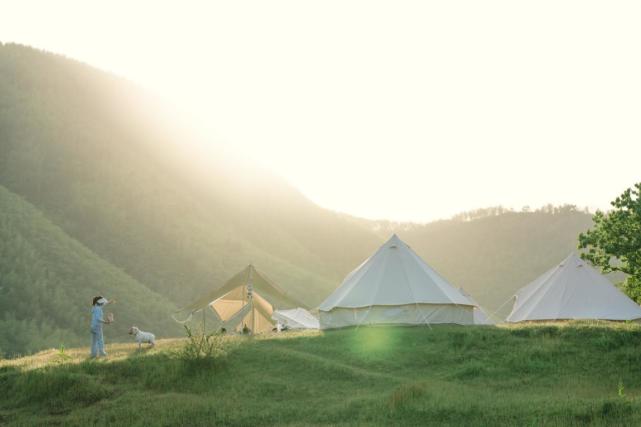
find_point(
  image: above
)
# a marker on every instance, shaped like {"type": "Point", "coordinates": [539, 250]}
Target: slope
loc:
{"type": "Point", "coordinates": [104, 162]}
{"type": "Point", "coordinates": [47, 281]}
{"type": "Point", "coordinates": [575, 374]}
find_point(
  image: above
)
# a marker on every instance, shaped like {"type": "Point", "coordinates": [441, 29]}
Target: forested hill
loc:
{"type": "Point", "coordinates": [47, 280]}
{"type": "Point", "coordinates": [107, 168]}
{"type": "Point", "coordinates": [98, 158]}
{"type": "Point", "coordinates": [493, 252]}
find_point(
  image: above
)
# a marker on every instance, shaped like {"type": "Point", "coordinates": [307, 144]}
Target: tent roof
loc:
{"type": "Point", "coordinates": [572, 290]}
{"type": "Point", "coordinates": [267, 289]}
{"type": "Point", "coordinates": [394, 275]}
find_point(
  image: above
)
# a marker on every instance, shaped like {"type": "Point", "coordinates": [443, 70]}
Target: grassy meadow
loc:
{"type": "Point", "coordinates": [542, 374]}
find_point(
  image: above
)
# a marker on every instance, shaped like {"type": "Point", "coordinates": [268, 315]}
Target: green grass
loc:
{"type": "Point", "coordinates": [546, 374]}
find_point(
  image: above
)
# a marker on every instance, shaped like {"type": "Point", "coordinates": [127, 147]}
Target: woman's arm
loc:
{"type": "Point", "coordinates": [101, 319]}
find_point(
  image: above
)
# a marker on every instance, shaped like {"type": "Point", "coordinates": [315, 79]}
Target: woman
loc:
{"type": "Point", "coordinates": [97, 340]}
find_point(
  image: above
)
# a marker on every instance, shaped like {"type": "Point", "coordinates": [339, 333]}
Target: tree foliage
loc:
{"type": "Point", "coordinates": [614, 243]}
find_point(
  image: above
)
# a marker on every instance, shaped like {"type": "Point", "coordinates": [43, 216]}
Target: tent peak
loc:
{"type": "Point", "coordinates": [573, 260]}
{"type": "Point", "coordinates": [394, 276]}
{"type": "Point", "coordinates": [394, 242]}
{"type": "Point", "coordinates": [248, 276]}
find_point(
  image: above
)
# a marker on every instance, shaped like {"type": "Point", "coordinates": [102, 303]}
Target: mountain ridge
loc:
{"type": "Point", "coordinates": [103, 163]}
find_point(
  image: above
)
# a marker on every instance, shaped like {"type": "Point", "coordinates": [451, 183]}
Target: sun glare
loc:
{"type": "Point", "coordinates": [410, 112]}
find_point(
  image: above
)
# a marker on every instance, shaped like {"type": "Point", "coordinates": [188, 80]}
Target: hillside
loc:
{"type": "Point", "coordinates": [102, 162]}
{"type": "Point", "coordinates": [575, 374]}
{"type": "Point", "coordinates": [47, 281]}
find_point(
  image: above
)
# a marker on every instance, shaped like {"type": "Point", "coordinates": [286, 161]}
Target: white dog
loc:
{"type": "Point", "coordinates": [142, 337]}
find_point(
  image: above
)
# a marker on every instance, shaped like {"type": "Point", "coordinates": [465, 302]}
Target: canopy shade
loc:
{"type": "Point", "coordinates": [247, 300]}
{"type": "Point", "coordinates": [267, 289]}
{"type": "Point", "coordinates": [572, 290]}
{"type": "Point", "coordinates": [395, 286]}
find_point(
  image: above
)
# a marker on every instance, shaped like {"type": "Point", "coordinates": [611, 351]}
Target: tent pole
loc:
{"type": "Point", "coordinates": [251, 299]}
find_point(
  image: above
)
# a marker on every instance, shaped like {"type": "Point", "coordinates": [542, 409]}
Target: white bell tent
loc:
{"type": "Point", "coordinates": [247, 300]}
{"type": "Point", "coordinates": [395, 286]}
{"type": "Point", "coordinates": [572, 290]}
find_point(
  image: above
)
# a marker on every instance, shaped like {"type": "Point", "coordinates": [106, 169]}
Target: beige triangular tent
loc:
{"type": "Point", "coordinates": [246, 301]}
{"type": "Point", "coordinates": [572, 290]}
{"type": "Point", "coordinates": [395, 286]}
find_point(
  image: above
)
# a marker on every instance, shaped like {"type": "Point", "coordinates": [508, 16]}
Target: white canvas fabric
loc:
{"type": "Point", "coordinates": [411, 314]}
{"type": "Point", "coordinates": [572, 290]}
{"type": "Point", "coordinates": [297, 318]}
{"type": "Point", "coordinates": [395, 286]}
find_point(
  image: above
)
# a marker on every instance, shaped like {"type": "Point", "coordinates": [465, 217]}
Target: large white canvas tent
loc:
{"type": "Point", "coordinates": [247, 300]}
{"type": "Point", "coordinates": [395, 286]}
{"type": "Point", "coordinates": [572, 290]}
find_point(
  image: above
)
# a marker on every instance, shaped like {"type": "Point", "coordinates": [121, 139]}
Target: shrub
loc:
{"type": "Point", "coordinates": [202, 349]}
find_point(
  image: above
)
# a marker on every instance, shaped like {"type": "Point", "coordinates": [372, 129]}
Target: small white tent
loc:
{"type": "Point", "coordinates": [572, 290]}
{"type": "Point", "coordinates": [395, 286]}
{"type": "Point", "coordinates": [296, 318]}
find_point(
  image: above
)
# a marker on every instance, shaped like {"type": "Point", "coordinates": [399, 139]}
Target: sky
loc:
{"type": "Point", "coordinates": [384, 109]}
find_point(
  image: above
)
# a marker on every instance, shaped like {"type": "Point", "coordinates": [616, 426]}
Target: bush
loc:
{"type": "Point", "coordinates": [202, 349]}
